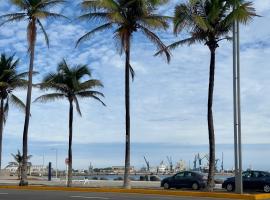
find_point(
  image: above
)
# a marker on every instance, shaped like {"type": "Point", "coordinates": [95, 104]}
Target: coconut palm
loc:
{"type": "Point", "coordinates": [18, 158]}
{"type": "Point", "coordinates": [68, 84]}
{"type": "Point", "coordinates": [32, 11]}
{"type": "Point", "coordinates": [125, 18]}
{"type": "Point", "coordinates": [208, 22]}
{"type": "Point", "coordinates": [10, 79]}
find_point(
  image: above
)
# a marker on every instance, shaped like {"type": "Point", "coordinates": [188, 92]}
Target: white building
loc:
{"type": "Point", "coordinates": [11, 167]}
{"type": "Point", "coordinates": [180, 166]}
{"type": "Point", "coordinates": [162, 168]}
{"type": "Point", "coordinates": [37, 170]}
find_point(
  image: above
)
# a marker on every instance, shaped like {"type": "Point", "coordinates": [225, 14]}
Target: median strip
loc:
{"type": "Point", "coordinates": [83, 197]}
{"type": "Point", "coordinates": [146, 191]}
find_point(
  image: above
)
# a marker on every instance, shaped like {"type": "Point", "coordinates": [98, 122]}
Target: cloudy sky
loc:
{"type": "Point", "coordinates": [168, 102]}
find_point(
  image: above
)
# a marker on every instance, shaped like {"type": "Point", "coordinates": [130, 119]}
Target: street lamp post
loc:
{"type": "Point", "coordinates": [237, 109]}
{"type": "Point", "coordinates": [56, 161]}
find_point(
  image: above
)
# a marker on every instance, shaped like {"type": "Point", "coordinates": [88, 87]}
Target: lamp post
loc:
{"type": "Point", "coordinates": [237, 108]}
{"type": "Point", "coordinates": [56, 161]}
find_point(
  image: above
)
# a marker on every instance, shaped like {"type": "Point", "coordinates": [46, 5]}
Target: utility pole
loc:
{"type": "Point", "coordinates": [56, 161]}
{"type": "Point", "coordinates": [237, 108]}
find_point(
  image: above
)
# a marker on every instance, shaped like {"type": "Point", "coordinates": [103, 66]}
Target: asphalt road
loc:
{"type": "Point", "coordinates": [52, 195]}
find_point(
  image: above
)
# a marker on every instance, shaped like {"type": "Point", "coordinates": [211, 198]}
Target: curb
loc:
{"type": "Point", "coordinates": [145, 191]}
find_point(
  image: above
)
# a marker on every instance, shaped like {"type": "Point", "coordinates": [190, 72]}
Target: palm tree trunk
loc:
{"type": "Point", "coordinates": [127, 102]}
{"type": "Point", "coordinates": [69, 182]}
{"type": "Point", "coordinates": [32, 40]}
{"type": "Point", "coordinates": [1, 129]}
{"type": "Point", "coordinates": [212, 160]}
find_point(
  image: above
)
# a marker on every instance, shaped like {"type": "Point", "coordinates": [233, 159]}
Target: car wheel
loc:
{"type": "Point", "coordinates": [266, 188]}
{"type": "Point", "coordinates": [229, 187]}
{"type": "Point", "coordinates": [195, 186]}
{"type": "Point", "coordinates": [166, 186]}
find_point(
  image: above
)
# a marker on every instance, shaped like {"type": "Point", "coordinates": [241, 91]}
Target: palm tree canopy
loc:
{"type": "Point", "coordinates": [10, 79]}
{"type": "Point", "coordinates": [126, 17]}
{"type": "Point", "coordinates": [71, 83]}
{"type": "Point", "coordinates": [32, 11]}
{"type": "Point", "coordinates": [19, 157]}
{"type": "Point", "coordinates": [209, 21]}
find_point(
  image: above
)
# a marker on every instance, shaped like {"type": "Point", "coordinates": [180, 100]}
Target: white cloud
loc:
{"type": "Point", "coordinates": [168, 101]}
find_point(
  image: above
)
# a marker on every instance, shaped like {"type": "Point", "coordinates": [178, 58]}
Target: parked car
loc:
{"type": "Point", "coordinates": [252, 180]}
{"type": "Point", "coordinates": [186, 179]}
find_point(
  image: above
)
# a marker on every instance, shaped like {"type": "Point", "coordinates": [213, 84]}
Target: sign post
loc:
{"type": "Point", "coordinates": [66, 162]}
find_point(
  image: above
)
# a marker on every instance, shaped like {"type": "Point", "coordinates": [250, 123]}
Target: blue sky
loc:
{"type": "Point", "coordinates": [168, 103]}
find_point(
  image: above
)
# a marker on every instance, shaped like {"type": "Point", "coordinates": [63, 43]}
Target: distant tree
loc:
{"type": "Point", "coordinates": [125, 18]}
{"type": "Point", "coordinates": [208, 22]}
{"type": "Point", "coordinates": [70, 83]}
{"type": "Point", "coordinates": [32, 11]}
{"type": "Point", "coordinates": [18, 158]}
{"type": "Point", "coordinates": [10, 79]}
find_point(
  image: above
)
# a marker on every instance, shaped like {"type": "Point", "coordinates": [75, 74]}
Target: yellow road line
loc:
{"type": "Point", "coordinates": [146, 191]}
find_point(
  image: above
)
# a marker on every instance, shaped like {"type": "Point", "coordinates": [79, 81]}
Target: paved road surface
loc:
{"type": "Point", "coordinates": [52, 195]}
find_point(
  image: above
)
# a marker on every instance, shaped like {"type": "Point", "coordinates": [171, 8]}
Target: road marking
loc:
{"type": "Point", "coordinates": [82, 197]}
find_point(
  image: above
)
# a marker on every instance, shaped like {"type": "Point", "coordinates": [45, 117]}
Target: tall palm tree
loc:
{"type": "Point", "coordinates": [18, 158]}
{"type": "Point", "coordinates": [67, 84]}
{"type": "Point", "coordinates": [33, 11]}
{"type": "Point", "coordinates": [208, 22]}
{"type": "Point", "coordinates": [126, 17]}
{"type": "Point", "coordinates": [10, 79]}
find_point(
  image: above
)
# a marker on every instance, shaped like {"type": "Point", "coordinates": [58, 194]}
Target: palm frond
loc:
{"type": "Point", "coordinates": [44, 32]}
{"type": "Point", "coordinates": [77, 106]}
{"type": "Point", "coordinates": [13, 19]}
{"type": "Point", "coordinates": [89, 34]}
{"type": "Point", "coordinates": [14, 100]}
{"type": "Point", "coordinates": [50, 97]}
{"type": "Point", "coordinates": [91, 94]}
{"type": "Point", "coordinates": [155, 39]}
{"type": "Point", "coordinates": [100, 4]}
{"type": "Point", "coordinates": [45, 4]}
{"type": "Point", "coordinates": [45, 14]}
{"type": "Point", "coordinates": [90, 84]}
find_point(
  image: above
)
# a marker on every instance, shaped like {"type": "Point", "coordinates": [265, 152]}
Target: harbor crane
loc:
{"type": "Point", "coordinates": [147, 164]}
{"type": "Point", "coordinates": [170, 163]}
{"type": "Point", "coordinates": [222, 163]}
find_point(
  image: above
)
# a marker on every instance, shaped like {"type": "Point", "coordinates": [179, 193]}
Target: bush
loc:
{"type": "Point", "coordinates": [118, 178]}
{"type": "Point", "coordinates": [154, 178]}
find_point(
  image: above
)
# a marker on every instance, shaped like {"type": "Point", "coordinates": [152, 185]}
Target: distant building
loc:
{"type": "Point", "coordinates": [162, 168]}
{"type": "Point", "coordinates": [121, 169]}
{"type": "Point", "coordinates": [38, 170]}
{"type": "Point", "coordinates": [180, 166]}
{"type": "Point", "coordinates": [11, 168]}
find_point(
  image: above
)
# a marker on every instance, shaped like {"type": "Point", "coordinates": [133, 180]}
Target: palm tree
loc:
{"type": "Point", "coordinates": [10, 79]}
{"type": "Point", "coordinates": [126, 17]}
{"type": "Point", "coordinates": [67, 84]}
{"type": "Point", "coordinates": [33, 11]}
{"type": "Point", "coordinates": [18, 158]}
{"type": "Point", "coordinates": [208, 22]}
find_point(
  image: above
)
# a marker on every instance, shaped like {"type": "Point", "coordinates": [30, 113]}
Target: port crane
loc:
{"type": "Point", "coordinates": [170, 163]}
{"type": "Point", "coordinates": [222, 163]}
{"type": "Point", "coordinates": [147, 164]}
{"type": "Point", "coordinates": [198, 159]}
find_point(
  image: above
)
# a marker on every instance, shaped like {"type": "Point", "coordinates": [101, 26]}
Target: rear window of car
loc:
{"type": "Point", "coordinates": [264, 174]}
